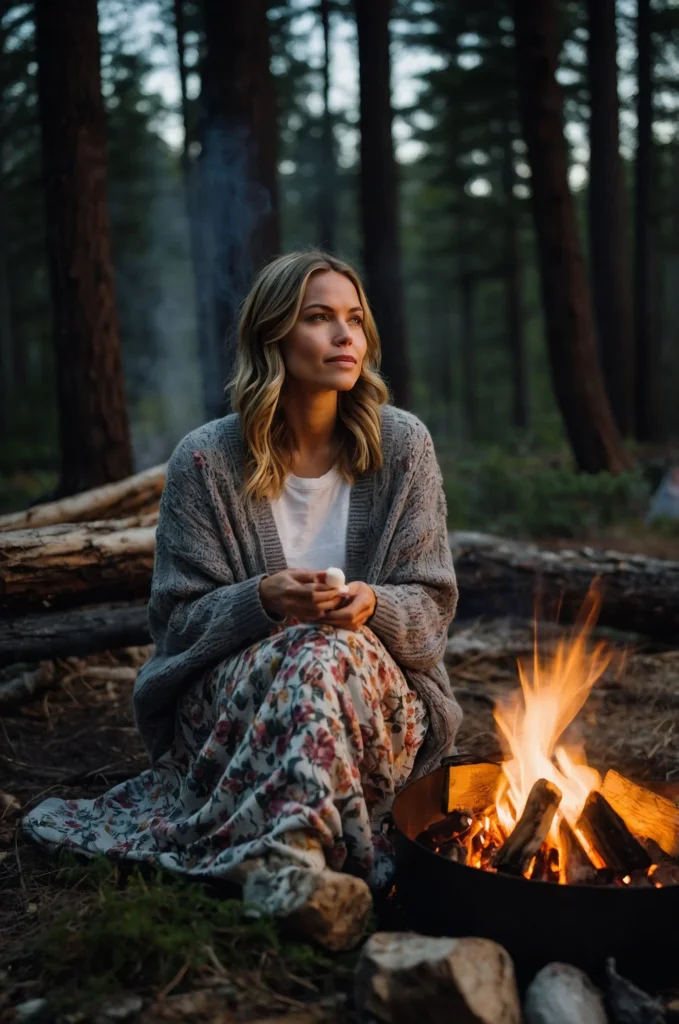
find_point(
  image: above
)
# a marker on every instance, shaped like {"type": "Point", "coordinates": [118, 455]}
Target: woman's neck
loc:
{"type": "Point", "coordinates": [311, 420]}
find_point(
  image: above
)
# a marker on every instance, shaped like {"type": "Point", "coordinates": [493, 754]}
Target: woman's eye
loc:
{"type": "Point", "coordinates": [318, 316]}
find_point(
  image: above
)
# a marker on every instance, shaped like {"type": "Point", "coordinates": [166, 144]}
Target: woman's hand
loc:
{"type": "Point", "coordinates": [355, 609]}
{"type": "Point", "coordinates": [298, 593]}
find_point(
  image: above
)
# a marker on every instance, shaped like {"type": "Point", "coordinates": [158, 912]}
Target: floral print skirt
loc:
{"type": "Point", "coordinates": [297, 743]}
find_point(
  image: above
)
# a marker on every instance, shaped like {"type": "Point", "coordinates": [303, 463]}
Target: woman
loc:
{"type": "Point", "coordinates": [280, 713]}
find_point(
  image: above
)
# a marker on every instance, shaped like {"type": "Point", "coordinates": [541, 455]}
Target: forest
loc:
{"type": "Point", "coordinates": [517, 233]}
{"type": "Point", "coordinates": [502, 174]}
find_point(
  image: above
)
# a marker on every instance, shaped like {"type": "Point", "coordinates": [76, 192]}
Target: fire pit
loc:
{"type": "Point", "coordinates": [537, 851]}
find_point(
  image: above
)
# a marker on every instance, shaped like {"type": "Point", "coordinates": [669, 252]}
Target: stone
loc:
{"type": "Point", "coordinates": [562, 994]}
{"type": "Point", "coordinates": [403, 977]}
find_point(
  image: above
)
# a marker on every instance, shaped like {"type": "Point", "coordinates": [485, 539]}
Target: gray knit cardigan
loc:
{"type": "Point", "coordinates": [213, 548]}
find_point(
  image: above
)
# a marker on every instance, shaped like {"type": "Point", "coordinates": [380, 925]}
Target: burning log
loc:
{"type": "Point", "coordinates": [76, 631]}
{"type": "Point", "coordinates": [402, 976]}
{"type": "Point", "coordinates": [499, 577]}
{"type": "Point", "coordinates": [517, 852]}
{"type": "Point", "coordinates": [562, 994]}
{"type": "Point", "coordinates": [135, 494]}
{"type": "Point", "coordinates": [607, 833]}
{"type": "Point", "coordinates": [645, 813]}
{"type": "Point", "coordinates": [578, 867]}
{"type": "Point", "coordinates": [72, 563]}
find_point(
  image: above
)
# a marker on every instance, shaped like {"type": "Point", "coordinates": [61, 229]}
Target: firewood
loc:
{"type": "Point", "coordinates": [137, 493]}
{"type": "Point", "coordinates": [75, 563]}
{"type": "Point", "coordinates": [530, 831]}
{"type": "Point", "coordinates": [607, 833]}
{"type": "Point", "coordinates": [403, 977]}
{"type": "Point", "coordinates": [628, 1004]}
{"type": "Point", "coordinates": [76, 631]}
{"type": "Point", "coordinates": [562, 994]}
{"type": "Point", "coordinates": [579, 868]}
{"type": "Point", "coordinates": [644, 812]}
{"type": "Point", "coordinates": [472, 785]}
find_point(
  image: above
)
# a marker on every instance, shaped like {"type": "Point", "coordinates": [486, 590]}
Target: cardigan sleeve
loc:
{"type": "Point", "coordinates": [198, 613]}
{"type": "Point", "coordinates": [416, 602]}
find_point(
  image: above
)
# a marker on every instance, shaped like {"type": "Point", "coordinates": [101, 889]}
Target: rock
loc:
{"type": "Point", "coordinates": [562, 994]}
{"type": "Point", "coordinates": [403, 977]}
{"type": "Point", "coordinates": [330, 907]}
{"type": "Point", "coordinates": [628, 1004]}
{"type": "Point", "coordinates": [33, 1011]}
{"type": "Point", "coordinates": [125, 1007]}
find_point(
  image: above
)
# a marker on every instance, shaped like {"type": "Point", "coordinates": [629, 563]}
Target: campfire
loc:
{"type": "Point", "coordinates": [550, 817]}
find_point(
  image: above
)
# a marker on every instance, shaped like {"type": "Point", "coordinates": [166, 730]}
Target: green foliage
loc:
{"type": "Point", "coordinates": [139, 930]}
{"type": "Point", "coordinates": [531, 496]}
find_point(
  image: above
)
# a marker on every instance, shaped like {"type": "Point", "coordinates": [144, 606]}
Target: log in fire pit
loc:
{"type": "Point", "coordinates": [536, 850]}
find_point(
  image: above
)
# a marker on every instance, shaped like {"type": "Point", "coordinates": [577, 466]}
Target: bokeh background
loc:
{"type": "Point", "coordinates": [519, 232]}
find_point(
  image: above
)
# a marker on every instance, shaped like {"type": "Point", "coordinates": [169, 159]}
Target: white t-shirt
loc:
{"type": "Point", "coordinates": [311, 516]}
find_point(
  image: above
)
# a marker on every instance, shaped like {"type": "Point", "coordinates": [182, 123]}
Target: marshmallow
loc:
{"type": "Point", "coordinates": [335, 578]}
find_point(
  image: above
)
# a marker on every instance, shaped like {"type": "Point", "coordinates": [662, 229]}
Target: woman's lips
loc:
{"type": "Point", "coordinates": [343, 361]}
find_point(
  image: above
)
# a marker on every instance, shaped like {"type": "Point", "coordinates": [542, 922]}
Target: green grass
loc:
{"type": "Point", "coordinates": [137, 932]}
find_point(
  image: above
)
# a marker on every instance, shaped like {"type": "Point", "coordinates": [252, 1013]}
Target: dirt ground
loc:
{"type": "Point", "coordinates": [77, 738]}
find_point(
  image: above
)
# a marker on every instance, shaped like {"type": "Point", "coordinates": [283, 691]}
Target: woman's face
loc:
{"type": "Point", "coordinates": [326, 347]}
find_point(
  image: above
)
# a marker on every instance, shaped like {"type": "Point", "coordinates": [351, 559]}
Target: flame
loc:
{"type": "Point", "coordinates": [553, 690]}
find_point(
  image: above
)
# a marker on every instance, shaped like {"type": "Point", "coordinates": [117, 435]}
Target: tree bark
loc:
{"type": "Point", "coordinates": [499, 577]}
{"type": "Point", "coordinates": [327, 205]}
{"type": "Point", "coordinates": [238, 170]}
{"type": "Point", "coordinates": [514, 297]}
{"type": "Point", "coordinates": [468, 354]}
{"type": "Point", "coordinates": [379, 194]}
{"type": "Point", "coordinates": [648, 403]}
{"type": "Point", "coordinates": [76, 631]}
{"type": "Point", "coordinates": [576, 372]}
{"type": "Point", "coordinates": [609, 242]}
{"type": "Point", "coordinates": [94, 430]}
{"type": "Point", "coordinates": [191, 179]}
{"type": "Point", "coordinates": [72, 563]}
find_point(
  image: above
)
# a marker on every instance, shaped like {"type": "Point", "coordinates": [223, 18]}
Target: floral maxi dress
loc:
{"type": "Point", "coordinates": [307, 733]}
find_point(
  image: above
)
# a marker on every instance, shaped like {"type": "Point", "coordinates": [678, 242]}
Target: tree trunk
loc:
{"type": "Point", "coordinates": [238, 165]}
{"type": "Point", "coordinates": [94, 429]}
{"type": "Point", "coordinates": [7, 345]}
{"type": "Point", "coordinates": [648, 403]}
{"type": "Point", "coordinates": [609, 243]}
{"type": "Point", "coordinates": [514, 298]}
{"type": "Point", "coordinates": [468, 355]}
{"type": "Point", "coordinates": [191, 176]}
{"type": "Point", "coordinates": [379, 194]}
{"type": "Point", "coordinates": [327, 205]}
{"type": "Point", "coordinates": [576, 372]}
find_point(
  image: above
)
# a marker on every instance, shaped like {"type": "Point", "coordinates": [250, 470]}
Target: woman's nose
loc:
{"type": "Point", "coordinates": [342, 334]}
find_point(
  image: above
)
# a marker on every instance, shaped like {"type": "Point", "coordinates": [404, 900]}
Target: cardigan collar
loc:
{"type": "Point", "coordinates": [360, 504]}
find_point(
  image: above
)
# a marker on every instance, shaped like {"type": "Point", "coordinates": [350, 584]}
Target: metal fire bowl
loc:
{"type": "Point", "coordinates": [537, 922]}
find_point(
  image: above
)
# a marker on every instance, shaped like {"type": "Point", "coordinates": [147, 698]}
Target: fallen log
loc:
{"type": "Point", "coordinates": [105, 560]}
{"type": "Point", "coordinates": [134, 494]}
{"type": "Point", "coordinates": [76, 631]}
{"type": "Point", "coordinates": [608, 835]}
{"type": "Point", "coordinates": [71, 564]}
{"type": "Point", "coordinates": [498, 577]}
{"type": "Point", "coordinates": [530, 831]}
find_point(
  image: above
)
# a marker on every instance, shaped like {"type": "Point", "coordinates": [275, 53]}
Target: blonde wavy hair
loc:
{"type": "Point", "coordinates": [268, 315]}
